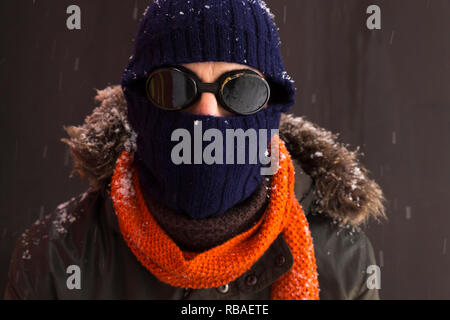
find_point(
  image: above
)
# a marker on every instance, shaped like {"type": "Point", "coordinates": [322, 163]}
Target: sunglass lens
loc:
{"type": "Point", "coordinates": [170, 89]}
{"type": "Point", "coordinates": [246, 94]}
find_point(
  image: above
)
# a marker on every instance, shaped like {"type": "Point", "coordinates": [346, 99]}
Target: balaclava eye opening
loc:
{"type": "Point", "coordinates": [177, 32]}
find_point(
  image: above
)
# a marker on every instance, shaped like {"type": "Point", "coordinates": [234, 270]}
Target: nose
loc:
{"type": "Point", "coordinates": [208, 105]}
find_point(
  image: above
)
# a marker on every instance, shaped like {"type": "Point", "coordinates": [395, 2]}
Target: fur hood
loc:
{"type": "Point", "coordinates": [341, 184]}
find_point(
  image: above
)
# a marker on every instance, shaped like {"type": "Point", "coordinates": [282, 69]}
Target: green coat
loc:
{"type": "Point", "coordinates": [333, 188]}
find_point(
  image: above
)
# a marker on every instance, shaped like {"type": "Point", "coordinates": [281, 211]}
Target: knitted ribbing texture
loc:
{"type": "Point", "coordinates": [224, 263]}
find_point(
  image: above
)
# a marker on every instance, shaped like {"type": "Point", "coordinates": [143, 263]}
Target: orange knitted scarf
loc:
{"type": "Point", "coordinates": [226, 262]}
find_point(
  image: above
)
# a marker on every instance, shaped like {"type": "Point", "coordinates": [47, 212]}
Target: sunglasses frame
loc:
{"type": "Point", "coordinates": [216, 87]}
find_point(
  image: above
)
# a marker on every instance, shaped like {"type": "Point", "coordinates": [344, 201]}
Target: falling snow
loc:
{"type": "Point", "coordinates": [408, 213]}
{"type": "Point", "coordinates": [135, 12]}
{"type": "Point", "coordinates": [381, 254]}
{"type": "Point", "coordinates": [392, 37]}
{"type": "Point", "coordinates": [77, 64]}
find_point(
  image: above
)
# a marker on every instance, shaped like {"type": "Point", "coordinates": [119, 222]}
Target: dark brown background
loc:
{"type": "Point", "coordinates": [387, 91]}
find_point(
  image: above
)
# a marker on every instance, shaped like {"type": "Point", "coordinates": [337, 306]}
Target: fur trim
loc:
{"type": "Point", "coordinates": [342, 187]}
{"type": "Point", "coordinates": [341, 183]}
{"type": "Point", "coordinates": [97, 144]}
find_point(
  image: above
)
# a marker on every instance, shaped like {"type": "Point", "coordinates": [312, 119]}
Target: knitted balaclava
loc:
{"type": "Point", "coordinates": [175, 32]}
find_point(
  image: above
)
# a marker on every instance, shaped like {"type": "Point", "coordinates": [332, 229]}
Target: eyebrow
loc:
{"type": "Point", "coordinates": [243, 68]}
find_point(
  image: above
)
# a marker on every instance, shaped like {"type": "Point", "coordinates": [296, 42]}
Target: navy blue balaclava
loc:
{"type": "Point", "coordinates": [185, 31]}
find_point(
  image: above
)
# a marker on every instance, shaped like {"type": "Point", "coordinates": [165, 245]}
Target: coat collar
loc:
{"type": "Point", "coordinates": [340, 182]}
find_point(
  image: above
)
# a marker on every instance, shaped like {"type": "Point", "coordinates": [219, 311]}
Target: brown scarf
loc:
{"type": "Point", "coordinates": [202, 234]}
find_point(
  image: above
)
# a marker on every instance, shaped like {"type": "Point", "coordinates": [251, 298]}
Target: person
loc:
{"type": "Point", "coordinates": [161, 220]}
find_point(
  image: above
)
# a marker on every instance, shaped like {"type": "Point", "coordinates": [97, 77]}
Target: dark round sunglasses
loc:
{"type": "Point", "coordinates": [243, 92]}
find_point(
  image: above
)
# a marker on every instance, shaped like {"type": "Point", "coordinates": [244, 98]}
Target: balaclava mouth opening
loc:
{"type": "Point", "coordinates": [178, 32]}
